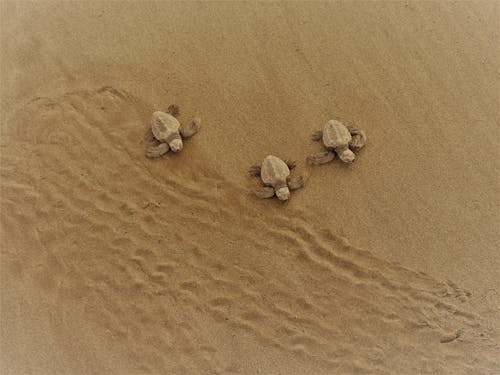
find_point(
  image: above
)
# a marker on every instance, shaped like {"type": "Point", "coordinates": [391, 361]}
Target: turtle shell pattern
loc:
{"type": "Point", "coordinates": [336, 134]}
{"type": "Point", "coordinates": [165, 127]}
{"type": "Point", "coordinates": [274, 171]}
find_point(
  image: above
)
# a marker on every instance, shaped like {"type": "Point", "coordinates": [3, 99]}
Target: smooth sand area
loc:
{"type": "Point", "coordinates": [112, 263]}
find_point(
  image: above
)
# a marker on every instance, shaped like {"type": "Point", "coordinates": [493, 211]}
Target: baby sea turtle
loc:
{"type": "Point", "coordinates": [167, 130]}
{"type": "Point", "coordinates": [338, 139]}
{"type": "Point", "coordinates": [275, 174]}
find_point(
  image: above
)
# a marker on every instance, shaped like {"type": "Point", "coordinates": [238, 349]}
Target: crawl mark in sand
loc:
{"type": "Point", "coordinates": [338, 139]}
{"type": "Point", "coordinates": [451, 336]}
{"type": "Point", "coordinates": [275, 174]}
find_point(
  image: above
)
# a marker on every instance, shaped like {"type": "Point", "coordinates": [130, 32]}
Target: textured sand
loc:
{"type": "Point", "coordinates": [112, 263]}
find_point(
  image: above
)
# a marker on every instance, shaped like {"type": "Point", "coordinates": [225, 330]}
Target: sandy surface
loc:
{"type": "Point", "coordinates": [112, 263]}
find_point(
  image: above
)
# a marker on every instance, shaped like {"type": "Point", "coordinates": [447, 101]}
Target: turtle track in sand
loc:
{"type": "Point", "coordinates": [164, 260]}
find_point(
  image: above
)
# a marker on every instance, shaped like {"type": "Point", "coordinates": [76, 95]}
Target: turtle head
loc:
{"type": "Point", "coordinates": [347, 156]}
{"type": "Point", "coordinates": [283, 193]}
{"type": "Point", "coordinates": [176, 145]}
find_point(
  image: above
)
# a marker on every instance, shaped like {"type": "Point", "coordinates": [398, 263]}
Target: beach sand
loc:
{"type": "Point", "coordinates": [112, 263]}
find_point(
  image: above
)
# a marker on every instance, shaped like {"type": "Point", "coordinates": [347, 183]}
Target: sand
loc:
{"type": "Point", "coordinates": [112, 263]}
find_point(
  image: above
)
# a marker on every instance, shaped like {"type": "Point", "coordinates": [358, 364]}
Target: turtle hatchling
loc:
{"type": "Point", "coordinates": [338, 139]}
{"type": "Point", "coordinates": [167, 130]}
{"type": "Point", "coordinates": [275, 175]}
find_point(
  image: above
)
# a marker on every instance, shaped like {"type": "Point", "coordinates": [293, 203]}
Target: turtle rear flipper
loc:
{"type": "Point", "coordinates": [174, 110]}
{"type": "Point", "coordinates": [157, 151]}
{"type": "Point", "coordinates": [264, 192]}
{"type": "Point", "coordinates": [290, 163]}
{"type": "Point", "coordinates": [188, 130]}
{"type": "Point", "coordinates": [317, 135]}
{"type": "Point", "coordinates": [254, 171]}
{"type": "Point", "coordinates": [321, 158]}
{"type": "Point", "coordinates": [295, 183]}
{"type": "Point", "coordinates": [358, 138]}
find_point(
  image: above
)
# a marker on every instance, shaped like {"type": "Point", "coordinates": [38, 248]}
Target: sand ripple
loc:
{"type": "Point", "coordinates": [174, 263]}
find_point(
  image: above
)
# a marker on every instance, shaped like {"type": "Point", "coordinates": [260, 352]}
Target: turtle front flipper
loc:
{"type": "Point", "coordinates": [358, 138]}
{"type": "Point", "coordinates": [188, 130]}
{"type": "Point", "coordinates": [321, 158]}
{"type": "Point", "coordinates": [264, 192]}
{"type": "Point", "coordinates": [295, 183]}
{"type": "Point", "coordinates": [317, 135]}
{"type": "Point", "coordinates": [157, 151]}
{"type": "Point", "coordinates": [254, 171]}
{"type": "Point", "coordinates": [149, 136]}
